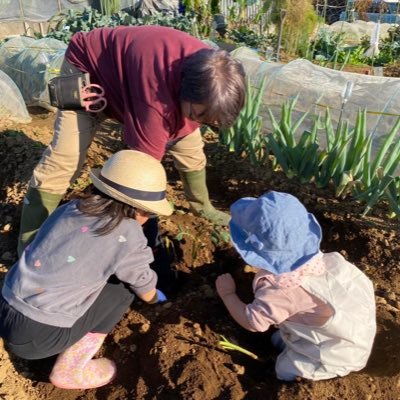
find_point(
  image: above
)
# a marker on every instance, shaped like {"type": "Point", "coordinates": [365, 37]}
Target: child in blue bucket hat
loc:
{"type": "Point", "coordinates": [323, 305]}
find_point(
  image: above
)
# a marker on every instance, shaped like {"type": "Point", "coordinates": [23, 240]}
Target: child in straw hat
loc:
{"type": "Point", "coordinates": [78, 277]}
{"type": "Point", "coordinates": [323, 306]}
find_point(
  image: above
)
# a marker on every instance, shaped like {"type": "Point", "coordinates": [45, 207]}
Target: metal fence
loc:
{"type": "Point", "coordinates": [43, 10]}
{"type": "Point", "coordinates": [252, 9]}
{"type": "Point", "coordinates": [40, 10]}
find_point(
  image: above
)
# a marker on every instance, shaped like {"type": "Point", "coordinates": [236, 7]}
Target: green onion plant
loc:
{"type": "Point", "coordinates": [245, 137]}
{"type": "Point", "coordinates": [227, 345]}
{"type": "Point", "coordinates": [345, 161]}
{"type": "Point", "coordinates": [295, 157]}
{"type": "Point", "coordinates": [197, 243]}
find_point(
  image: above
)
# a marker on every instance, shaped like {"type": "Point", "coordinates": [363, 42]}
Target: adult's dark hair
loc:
{"type": "Point", "coordinates": [95, 203]}
{"type": "Point", "coordinates": [213, 78]}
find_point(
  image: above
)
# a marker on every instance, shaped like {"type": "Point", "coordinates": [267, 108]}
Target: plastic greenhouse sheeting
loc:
{"type": "Point", "coordinates": [39, 10]}
{"type": "Point", "coordinates": [12, 105]}
{"type": "Point", "coordinates": [9, 52]}
{"type": "Point", "coordinates": [319, 88]}
{"type": "Point", "coordinates": [354, 31]}
{"type": "Point", "coordinates": [31, 64]}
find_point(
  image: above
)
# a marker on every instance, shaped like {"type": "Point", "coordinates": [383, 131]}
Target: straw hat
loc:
{"type": "Point", "coordinates": [274, 232]}
{"type": "Point", "coordinates": [135, 178]}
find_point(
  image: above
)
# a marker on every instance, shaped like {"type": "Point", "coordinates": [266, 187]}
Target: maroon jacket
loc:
{"type": "Point", "coordinates": [140, 69]}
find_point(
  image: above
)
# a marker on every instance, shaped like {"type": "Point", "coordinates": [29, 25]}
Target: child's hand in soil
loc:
{"type": "Point", "coordinates": [161, 296]}
{"type": "Point", "coordinates": [225, 285]}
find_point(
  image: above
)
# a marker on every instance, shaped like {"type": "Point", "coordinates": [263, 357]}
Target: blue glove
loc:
{"type": "Point", "coordinates": [161, 296]}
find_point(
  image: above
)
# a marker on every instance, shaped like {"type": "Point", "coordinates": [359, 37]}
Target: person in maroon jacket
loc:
{"type": "Point", "coordinates": [162, 85]}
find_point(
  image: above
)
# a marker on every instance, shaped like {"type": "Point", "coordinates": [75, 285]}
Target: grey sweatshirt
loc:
{"type": "Point", "coordinates": [61, 273]}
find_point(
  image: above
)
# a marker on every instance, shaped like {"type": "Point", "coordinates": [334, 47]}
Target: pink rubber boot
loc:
{"type": "Point", "coordinates": [75, 369]}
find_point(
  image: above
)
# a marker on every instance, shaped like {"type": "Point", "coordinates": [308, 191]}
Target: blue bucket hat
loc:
{"type": "Point", "coordinates": [274, 232]}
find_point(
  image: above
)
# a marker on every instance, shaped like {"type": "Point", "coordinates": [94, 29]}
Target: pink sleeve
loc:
{"type": "Point", "coordinates": [271, 305]}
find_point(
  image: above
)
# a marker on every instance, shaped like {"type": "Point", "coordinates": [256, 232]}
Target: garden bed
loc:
{"type": "Point", "coordinates": [170, 351]}
{"type": "Point", "coordinates": [392, 70]}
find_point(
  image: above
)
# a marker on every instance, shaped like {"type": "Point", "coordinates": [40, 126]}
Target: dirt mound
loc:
{"type": "Point", "coordinates": [170, 351]}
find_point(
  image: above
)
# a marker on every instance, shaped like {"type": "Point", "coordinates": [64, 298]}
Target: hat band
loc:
{"type": "Point", "coordinates": [134, 193]}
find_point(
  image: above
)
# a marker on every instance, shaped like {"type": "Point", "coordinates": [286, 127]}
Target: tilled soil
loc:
{"type": "Point", "coordinates": [170, 351]}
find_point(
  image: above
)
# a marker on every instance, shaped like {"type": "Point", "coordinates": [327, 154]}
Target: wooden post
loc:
{"type": "Point", "coordinates": [282, 22]}
{"type": "Point", "coordinates": [22, 17]}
